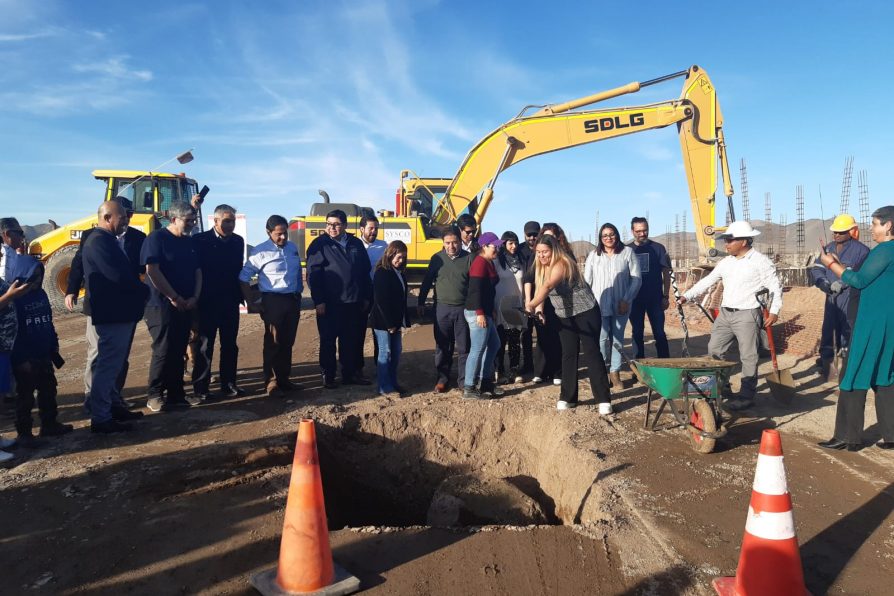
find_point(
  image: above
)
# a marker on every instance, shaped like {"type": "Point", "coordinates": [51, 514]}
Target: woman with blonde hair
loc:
{"type": "Point", "coordinates": [559, 281]}
{"type": "Point", "coordinates": [389, 315]}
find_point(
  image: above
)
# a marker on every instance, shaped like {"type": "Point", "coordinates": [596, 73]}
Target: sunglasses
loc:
{"type": "Point", "coordinates": [472, 231]}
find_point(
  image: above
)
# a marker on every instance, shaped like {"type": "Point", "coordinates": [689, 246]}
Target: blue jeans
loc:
{"type": "Point", "coordinates": [612, 331]}
{"type": "Point", "coordinates": [483, 351]}
{"type": "Point", "coordinates": [390, 347]}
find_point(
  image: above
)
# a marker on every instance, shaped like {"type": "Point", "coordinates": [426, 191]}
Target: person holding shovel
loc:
{"type": "Point", "coordinates": [871, 351]}
{"type": "Point", "coordinates": [744, 273]}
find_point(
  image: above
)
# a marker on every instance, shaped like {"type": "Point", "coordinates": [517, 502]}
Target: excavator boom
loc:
{"type": "Point", "coordinates": [561, 126]}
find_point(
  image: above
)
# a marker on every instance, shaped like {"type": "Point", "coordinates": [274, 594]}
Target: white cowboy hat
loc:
{"type": "Point", "coordinates": [739, 229]}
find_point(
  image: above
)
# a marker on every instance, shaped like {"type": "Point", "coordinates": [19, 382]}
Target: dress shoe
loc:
{"type": "Point", "coordinates": [231, 390]}
{"type": "Point", "coordinates": [123, 415]}
{"type": "Point", "coordinates": [110, 426]}
{"type": "Point", "coordinates": [356, 380]}
{"type": "Point", "coordinates": [289, 386]}
{"type": "Point", "coordinates": [441, 388]}
{"type": "Point", "coordinates": [854, 446]}
{"type": "Point", "coordinates": [55, 429]}
{"type": "Point", "coordinates": [29, 441]}
{"type": "Point", "coordinates": [833, 443]}
{"type": "Point", "coordinates": [330, 383]}
{"type": "Point", "coordinates": [885, 444]}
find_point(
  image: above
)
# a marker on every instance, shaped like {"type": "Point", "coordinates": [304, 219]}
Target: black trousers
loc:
{"type": "Point", "coordinates": [451, 335]}
{"type": "Point", "coordinates": [281, 314]}
{"type": "Point", "coordinates": [527, 345]}
{"type": "Point", "coordinates": [509, 339]}
{"type": "Point", "coordinates": [360, 359]}
{"type": "Point", "coordinates": [344, 325]}
{"type": "Point", "coordinates": [31, 376]}
{"type": "Point", "coordinates": [583, 330]}
{"type": "Point", "coordinates": [216, 318]}
{"type": "Point", "coordinates": [850, 413]}
{"type": "Point", "coordinates": [548, 359]}
{"type": "Point", "coordinates": [655, 311]}
{"type": "Point", "coordinates": [169, 329]}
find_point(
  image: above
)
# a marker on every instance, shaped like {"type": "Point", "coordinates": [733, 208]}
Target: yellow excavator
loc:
{"type": "Point", "coordinates": [425, 207]}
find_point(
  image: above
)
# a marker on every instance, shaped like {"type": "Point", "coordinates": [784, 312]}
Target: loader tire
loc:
{"type": "Point", "coordinates": [55, 279]}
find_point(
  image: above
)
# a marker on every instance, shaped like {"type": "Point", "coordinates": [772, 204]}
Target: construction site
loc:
{"type": "Point", "coordinates": [332, 486]}
{"type": "Point", "coordinates": [432, 495]}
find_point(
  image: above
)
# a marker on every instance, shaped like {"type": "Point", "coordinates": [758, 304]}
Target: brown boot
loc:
{"type": "Point", "coordinates": [615, 379]}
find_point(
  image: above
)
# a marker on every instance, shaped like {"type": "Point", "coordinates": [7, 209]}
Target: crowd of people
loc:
{"type": "Point", "coordinates": [492, 295]}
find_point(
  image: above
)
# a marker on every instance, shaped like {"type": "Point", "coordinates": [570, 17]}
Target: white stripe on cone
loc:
{"type": "Point", "coordinates": [770, 526]}
{"type": "Point", "coordinates": [769, 477]}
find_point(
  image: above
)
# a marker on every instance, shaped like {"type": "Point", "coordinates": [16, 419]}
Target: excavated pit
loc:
{"type": "Point", "coordinates": [426, 467]}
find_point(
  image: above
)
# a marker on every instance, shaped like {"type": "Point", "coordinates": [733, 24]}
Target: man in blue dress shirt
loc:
{"type": "Point", "coordinates": [277, 265]}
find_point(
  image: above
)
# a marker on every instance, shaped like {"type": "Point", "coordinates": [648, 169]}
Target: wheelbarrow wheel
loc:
{"type": "Point", "coordinates": [701, 416]}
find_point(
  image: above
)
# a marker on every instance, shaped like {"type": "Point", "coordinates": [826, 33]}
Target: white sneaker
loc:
{"type": "Point", "coordinates": [557, 381]}
{"type": "Point", "coordinates": [605, 408]}
{"type": "Point", "coordinates": [537, 380]}
{"type": "Point", "coordinates": [5, 456]}
{"type": "Point", "coordinates": [518, 379]}
{"type": "Point", "coordinates": [6, 443]}
{"type": "Point", "coordinates": [562, 405]}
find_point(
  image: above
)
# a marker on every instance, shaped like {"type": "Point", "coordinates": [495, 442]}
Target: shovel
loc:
{"type": "Point", "coordinates": [782, 384]}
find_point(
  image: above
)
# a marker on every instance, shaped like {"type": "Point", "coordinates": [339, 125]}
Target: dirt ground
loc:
{"type": "Point", "coordinates": [192, 502]}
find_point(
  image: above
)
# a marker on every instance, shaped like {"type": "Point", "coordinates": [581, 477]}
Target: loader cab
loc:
{"type": "Point", "coordinates": [151, 194]}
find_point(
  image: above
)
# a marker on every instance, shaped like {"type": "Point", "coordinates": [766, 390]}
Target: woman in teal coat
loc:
{"type": "Point", "coordinates": [870, 360]}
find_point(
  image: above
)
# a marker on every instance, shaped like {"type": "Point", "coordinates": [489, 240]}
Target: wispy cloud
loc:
{"type": "Point", "coordinates": [114, 67]}
{"type": "Point", "coordinates": [13, 37]}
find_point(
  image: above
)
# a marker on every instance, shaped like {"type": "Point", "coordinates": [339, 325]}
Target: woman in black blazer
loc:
{"type": "Point", "coordinates": [389, 315]}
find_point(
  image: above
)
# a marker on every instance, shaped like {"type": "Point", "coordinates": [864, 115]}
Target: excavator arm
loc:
{"type": "Point", "coordinates": [552, 128]}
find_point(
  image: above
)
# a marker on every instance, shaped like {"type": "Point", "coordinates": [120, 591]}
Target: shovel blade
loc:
{"type": "Point", "coordinates": [782, 385]}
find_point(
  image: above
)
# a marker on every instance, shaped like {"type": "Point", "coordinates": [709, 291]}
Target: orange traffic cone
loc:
{"type": "Point", "coordinates": [305, 559]}
{"type": "Point", "coordinates": [770, 563]}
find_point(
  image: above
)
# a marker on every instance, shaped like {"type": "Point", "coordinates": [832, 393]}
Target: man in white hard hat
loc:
{"type": "Point", "coordinates": [743, 273]}
{"type": "Point", "coordinates": [841, 300]}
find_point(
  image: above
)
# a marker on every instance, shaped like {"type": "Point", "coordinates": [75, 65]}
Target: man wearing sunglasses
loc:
{"type": "Point", "coordinates": [131, 242]}
{"type": "Point", "coordinates": [468, 230]}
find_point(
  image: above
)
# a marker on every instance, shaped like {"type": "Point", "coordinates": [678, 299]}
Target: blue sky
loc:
{"type": "Point", "coordinates": [280, 99]}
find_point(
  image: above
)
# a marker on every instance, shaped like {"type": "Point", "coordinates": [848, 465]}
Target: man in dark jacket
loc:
{"type": "Point", "coordinates": [338, 275]}
{"type": "Point", "coordinates": [221, 254]}
{"type": "Point", "coordinates": [836, 330]}
{"type": "Point", "coordinates": [526, 252]}
{"type": "Point", "coordinates": [117, 298]}
{"type": "Point", "coordinates": [131, 241]}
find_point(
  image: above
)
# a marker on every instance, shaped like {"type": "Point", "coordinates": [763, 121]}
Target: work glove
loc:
{"type": "Point", "coordinates": [835, 288]}
{"type": "Point", "coordinates": [823, 284]}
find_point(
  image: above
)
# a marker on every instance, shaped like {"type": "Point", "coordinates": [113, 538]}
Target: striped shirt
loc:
{"type": "Point", "coordinates": [742, 278]}
{"type": "Point", "coordinates": [278, 269]}
{"type": "Point", "coordinates": [614, 278]}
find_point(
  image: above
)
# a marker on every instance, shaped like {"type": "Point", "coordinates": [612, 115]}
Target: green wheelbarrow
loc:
{"type": "Point", "coordinates": [690, 388]}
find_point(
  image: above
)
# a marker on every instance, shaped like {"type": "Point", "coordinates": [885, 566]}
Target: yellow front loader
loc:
{"type": "Point", "coordinates": [152, 194]}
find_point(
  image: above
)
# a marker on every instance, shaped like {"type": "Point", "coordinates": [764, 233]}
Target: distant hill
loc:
{"type": "Point", "coordinates": [769, 242]}
{"type": "Point", "coordinates": [32, 232]}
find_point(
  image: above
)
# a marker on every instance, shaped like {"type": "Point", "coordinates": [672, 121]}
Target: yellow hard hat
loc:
{"type": "Point", "coordinates": [843, 223]}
